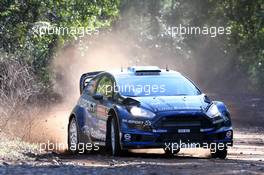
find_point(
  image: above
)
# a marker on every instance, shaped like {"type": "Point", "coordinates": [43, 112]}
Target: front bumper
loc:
{"type": "Point", "coordinates": [174, 127]}
{"type": "Point", "coordinates": [141, 139]}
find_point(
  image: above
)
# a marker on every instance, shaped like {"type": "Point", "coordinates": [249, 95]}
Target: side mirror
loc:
{"type": "Point", "coordinates": [98, 96]}
{"type": "Point", "coordinates": [207, 99]}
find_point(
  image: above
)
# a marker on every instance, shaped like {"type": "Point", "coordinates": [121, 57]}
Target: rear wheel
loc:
{"type": "Point", "coordinates": [73, 136]}
{"type": "Point", "coordinates": [114, 138]}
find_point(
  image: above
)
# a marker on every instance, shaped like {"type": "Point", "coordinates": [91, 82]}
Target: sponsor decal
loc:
{"type": "Point", "coordinates": [102, 125]}
{"type": "Point", "coordinates": [218, 121]}
{"type": "Point", "coordinates": [127, 137]}
{"type": "Point", "coordinates": [159, 130]}
{"type": "Point", "coordinates": [97, 134]}
{"type": "Point", "coordinates": [90, 106]}
{"type": "Point", "coordinates": [102, 111]}
{"type": "Point", "coordinates": [184, 130]}
{"type": "Point", "coordinates": [137, 122]}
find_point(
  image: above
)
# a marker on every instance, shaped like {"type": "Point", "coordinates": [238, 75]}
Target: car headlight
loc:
{"type": "Point", "coordinates": [213, 111]}
{"type": "Point", "coordinates": [140, 112]}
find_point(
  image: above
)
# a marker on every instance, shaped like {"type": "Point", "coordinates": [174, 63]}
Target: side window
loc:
{"type": "Point", "coordinates": [105, 87]}
{"type": "Point", "coordinates": [91, 85]}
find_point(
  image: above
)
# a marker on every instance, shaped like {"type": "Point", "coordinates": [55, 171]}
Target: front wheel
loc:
{"type": "Point", "coordinates": [219, 153]}
{"type": "Point", "coordinates": [171, 153]}
{"type": "Point", "coordinates": [114, 138]}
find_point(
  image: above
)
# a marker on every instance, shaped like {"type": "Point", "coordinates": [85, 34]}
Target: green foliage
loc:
{"type": "Point", "coordinates": [244, 48]}
{"type": "Point", "coordinates": [19, 18]}
{"type": "Point", "coordinates": [239, 55]}
{"type": "Point", "coordinates": [247, 21]}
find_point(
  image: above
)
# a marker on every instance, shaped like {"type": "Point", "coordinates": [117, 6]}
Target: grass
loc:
{"type": "Point", "coordinates": [16, 149]}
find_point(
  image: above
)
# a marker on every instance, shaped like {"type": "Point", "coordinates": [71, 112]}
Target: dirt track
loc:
{"type": "Point", "coordinates": [246, 157]}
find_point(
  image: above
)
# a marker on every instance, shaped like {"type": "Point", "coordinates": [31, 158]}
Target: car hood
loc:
{"type": "Point", "coordinates": [173, 103]}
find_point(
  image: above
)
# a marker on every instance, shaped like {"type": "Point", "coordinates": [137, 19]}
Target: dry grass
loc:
{"type": "Point", "coordinates": [16, 149]}
{"type": "Point", "coordinates": [18, 86]}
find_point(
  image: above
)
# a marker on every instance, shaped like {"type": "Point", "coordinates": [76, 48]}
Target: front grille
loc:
{"type": "Point", "coordinates": [179, 124]}
{"type": "Point", "coordinates": [186, 137]}
{"type": "Point", "coordinates": [183, 121]}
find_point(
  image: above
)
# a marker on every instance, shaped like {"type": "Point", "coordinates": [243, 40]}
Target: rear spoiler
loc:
{"type": "Point", "coordinates": [85, 78]}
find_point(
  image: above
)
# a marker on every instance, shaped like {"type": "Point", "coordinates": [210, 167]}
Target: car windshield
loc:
{"type": "Point", "coordinates": [140, 86]}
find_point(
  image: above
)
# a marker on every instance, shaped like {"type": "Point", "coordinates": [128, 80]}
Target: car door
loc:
{"type": "Point", "coordinates": [89, 104]}
{"type": "Point", "coordinates": [104, 88]}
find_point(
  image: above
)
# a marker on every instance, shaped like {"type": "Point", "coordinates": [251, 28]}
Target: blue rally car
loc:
{"type": "Point", "coordinates": [147, 107]}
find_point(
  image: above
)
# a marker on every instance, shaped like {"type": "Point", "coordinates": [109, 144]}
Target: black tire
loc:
{"type": "Point", "coordinates": [169, 153]}
{"type": "Point", "coordinates": [114, 138]}
{"type": "Point", "coordinates": [221, 154]}
{"type": "Point", "coordinates": [214, 155]}
{"type": "Point", "coordinates": [73, 144]}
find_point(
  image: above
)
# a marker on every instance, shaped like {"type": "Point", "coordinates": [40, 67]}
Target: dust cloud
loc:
{"type": "Point", "coordinates": [104, 52]}
{"type": "Point", "coordinates": [109, 50]}
{"type": "Point", "coordinates": [91, 54]}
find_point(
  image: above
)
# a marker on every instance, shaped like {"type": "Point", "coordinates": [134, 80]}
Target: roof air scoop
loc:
{"type": "Point", "coordinates": [145, 70]}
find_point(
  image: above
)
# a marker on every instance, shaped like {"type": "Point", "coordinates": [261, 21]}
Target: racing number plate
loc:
{"type": "Point", "coordinates": [183, 130]}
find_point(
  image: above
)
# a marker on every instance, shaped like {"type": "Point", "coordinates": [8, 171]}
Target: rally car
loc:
{"type": "Point", "coordinates": [147, 107]}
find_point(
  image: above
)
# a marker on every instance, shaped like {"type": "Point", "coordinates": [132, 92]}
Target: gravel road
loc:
{"type": "Point", "coordinates": [246, 157]}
